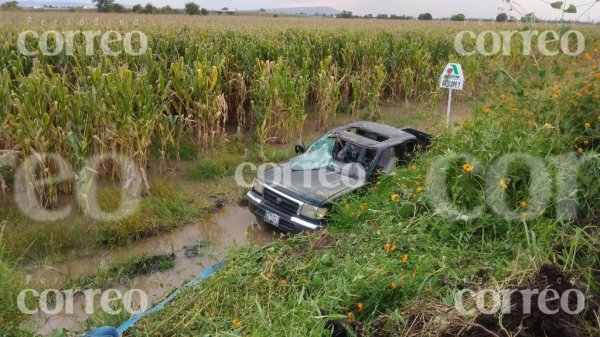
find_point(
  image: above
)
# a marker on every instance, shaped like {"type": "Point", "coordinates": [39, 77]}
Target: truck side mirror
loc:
{"type": "Point", "coordinates": [300, 149]}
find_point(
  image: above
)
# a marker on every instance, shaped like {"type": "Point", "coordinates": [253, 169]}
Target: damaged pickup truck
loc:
{"type": "Point", "coordinates": [296, 195]}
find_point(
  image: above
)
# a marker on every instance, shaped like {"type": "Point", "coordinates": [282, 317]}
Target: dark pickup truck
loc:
{"type": "Point", "coordinates": [295, 196]}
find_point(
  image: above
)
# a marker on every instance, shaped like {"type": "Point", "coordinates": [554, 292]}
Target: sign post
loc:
{"type": "Point", "coordinates": [453, 79]}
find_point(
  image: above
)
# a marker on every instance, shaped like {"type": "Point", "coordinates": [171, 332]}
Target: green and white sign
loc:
{"type": "Point", "coordinates": [452, 77]}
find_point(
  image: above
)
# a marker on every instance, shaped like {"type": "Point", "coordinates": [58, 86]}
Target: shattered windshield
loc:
{"type": "Point", "coordinates": [318, 155]}
{"type": "Point", "coordinates": [333, 152]}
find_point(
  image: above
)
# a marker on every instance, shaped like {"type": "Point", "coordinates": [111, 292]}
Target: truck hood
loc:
{"type": "Point", "coordinates": [317, 187]}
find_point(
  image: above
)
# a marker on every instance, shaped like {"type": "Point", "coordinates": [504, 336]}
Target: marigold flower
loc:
{"type": "Point", "coordinates": [246, 234]}
{"type": "Point", "coordinates": [283, 282]}
{"type": "Point", "coordinates": [586, 88]}
{"type": "Point", "coordinates": [405, 258]}
{"type": "Point", "coordinates": [236, 323]}
{"type": "Point", "coordinates": [347, 206]}
{"type": "Point", "coordinates": [486, 110]}
{"type": "Point", "coordinates": [503, 96]}
{"type": "Point", "coordinates": [523, 204]}
{"type": "Point", "coordinates": [414, 167]}
{"type": "Point", "coordinates": [393, 248]}
{"type": "Point", "coordinates": [386, 247]}
{"type": "Point", "coordinates": [598, 75]}
{"type": "Point", "coordinates": [350, 315]}
{"type": "Point", "coordinates": [586, 142]}
{"type": "Point", "coordinates": [580, 150]}
{"type": "Point", "coordinates": [420, 188]}
{"type": "Point", "coordinates": [548, 127]}
{"type": "Point", "coordinates": [395, 197]}
{"type": "Point", "coordinates": [503, 184]}
{"type": "Point", "coordinates": [359, 307]}
{"type": "Point", "coordinates": [394, 285]}
{"type": "Point", "coordinates": [587, 125]}
{"type": "Point", "coordinates": [468, 167]}
{"type": "Point", "coordinates": [587, 56]}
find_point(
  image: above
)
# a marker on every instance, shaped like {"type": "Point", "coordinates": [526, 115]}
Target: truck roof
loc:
{"type": "Point", "coordinates": [381, 135]}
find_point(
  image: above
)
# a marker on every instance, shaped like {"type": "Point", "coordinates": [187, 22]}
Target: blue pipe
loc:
{"type": "Point", "coordinates": [108, 331]}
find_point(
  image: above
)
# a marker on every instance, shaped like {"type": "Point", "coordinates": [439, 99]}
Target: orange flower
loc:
{"type": "Point", "coordinates": [405, 258]}
{"type": "Point", "coordinates": [350, 315]}
{"type": "Point", "coordinates": [347, 206]}
{"type": "Point", "coordinates": [395, 197]}
{"type": "Point", "coordinates": [246, 234]}
{"type": "Point", "coordinates": [503, 184]}
{"type": "Point", "coordinates": [586, 88]}
{"type": "Point", "coordinates": [420, 188]}
{"type": "Point", "coordinates": [236, 323]}
{"type": "Point", "coordinates": [587, 56]}
{"type": "Point", "coordinates": [393, 249]}
{"type": "Point", "coordinates": [283, 283]}
{"type": "Point", "coordinates": [486, 110]}
{"type": "Point", "coordinates": [594, 67]}
{"type": "Point", "coordinates": [414, 167]}
{"type": "Point", "coordinates": [359, 307]}
{"type": "Point", "coordinates": [394, 285]}
{"type": "Point", "coordinates": [586, 142]}
{"type": "Point", "coordinates": [598, 75]}
{"type": "Point", "coordinates": [270, 276]}
{"type": "Point", "coordinates": [523, 204]}
{"type": "Point", "coordinates": [468, 167]}
{"type": "Point", "coordinates": [587, 125]}
{"type": "Point", "coordinates": [386, 247]}
{"type": "Point", "coordinates": [503, 96]}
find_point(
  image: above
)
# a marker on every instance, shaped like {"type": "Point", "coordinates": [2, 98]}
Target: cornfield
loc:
{"type": "Point", "coordinates": [196, 82]}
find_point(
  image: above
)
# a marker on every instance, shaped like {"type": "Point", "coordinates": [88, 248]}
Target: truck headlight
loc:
{"type": "Point", "coordinates": [258, 186]}
{"type": "Point", "coordinates": [313, 212]}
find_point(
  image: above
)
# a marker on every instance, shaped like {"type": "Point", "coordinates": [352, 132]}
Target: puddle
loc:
{"type": "Point", "coordinates": [227, 228]}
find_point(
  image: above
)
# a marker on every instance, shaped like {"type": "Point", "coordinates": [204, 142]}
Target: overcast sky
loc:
{"type": "Point", "coordinates": [439, 8]}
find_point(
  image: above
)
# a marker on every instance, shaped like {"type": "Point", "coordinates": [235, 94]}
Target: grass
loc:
{"type": "Point", "coordinates": [131, 267]}
{"type": "Point", "coordinates": [165, 209]}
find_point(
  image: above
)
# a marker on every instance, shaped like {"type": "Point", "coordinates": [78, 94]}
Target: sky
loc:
{"type": "Point", "coordinates": [438, 8]}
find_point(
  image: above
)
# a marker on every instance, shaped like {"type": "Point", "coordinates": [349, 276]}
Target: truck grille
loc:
{"type": "Point", "coordinates": [285, 204]}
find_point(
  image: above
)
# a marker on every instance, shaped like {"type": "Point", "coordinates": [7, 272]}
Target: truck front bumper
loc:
{"type": "Point", "coordinates": [287, 223]}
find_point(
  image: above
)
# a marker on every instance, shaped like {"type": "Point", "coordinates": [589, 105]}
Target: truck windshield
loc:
{"type": "Point", "coordinates": [333, 152]}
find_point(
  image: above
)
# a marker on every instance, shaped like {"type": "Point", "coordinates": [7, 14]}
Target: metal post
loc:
{"type": "Point", "coordinates": [449, 105]}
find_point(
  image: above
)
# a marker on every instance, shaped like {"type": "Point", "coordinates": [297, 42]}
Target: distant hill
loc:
{"type": "Point", "coordinates": [305, 10]}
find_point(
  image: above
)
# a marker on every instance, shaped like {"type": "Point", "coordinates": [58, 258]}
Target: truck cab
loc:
{"type": "Point", "coordinates": [296, 195]}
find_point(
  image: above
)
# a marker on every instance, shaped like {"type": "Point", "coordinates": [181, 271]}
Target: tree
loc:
{"type": "Point", "coordinates": [425, 17]}
{"type": "Point", "coordinates": [224, 9]}
{"type": "Point", "coordinates": [382, 16]}
{"type": "Point", "coordinates": [204, 11]}
{"type": "Point", "coordinates": [117, 8]}
{"type": "Point", "coordinates": [502, 17]}
{"type": "Point", "coordinates": [103, 5]}
{"type": "Point", "coordinates": [458, 17]}
{"type": "Point", "coordinates": [166, 10]}
{"type": "Point", "coordinates": [192, 8]}
{"type": "Point", "coordinates": [150, 9]}
{"type": "Point", "coordinates": [345, 15]}
{"type": "Point", "coordinates": [529, 18]}
{"type": "Point", "coordinates": [10, 5]}
{"type": "Point", "coordinates": [262, 10]}
{"type": "Point", "coordinates": [137, 8]}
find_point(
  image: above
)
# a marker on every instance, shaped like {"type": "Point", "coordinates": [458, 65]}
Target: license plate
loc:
{"type": "Point", "coordinates": [272, 218]}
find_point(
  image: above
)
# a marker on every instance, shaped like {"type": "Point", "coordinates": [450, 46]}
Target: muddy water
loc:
{"type": "Point", "coordinates": [226, 229]}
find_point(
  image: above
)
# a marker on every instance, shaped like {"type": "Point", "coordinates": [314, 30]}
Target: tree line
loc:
{"type": "Point", "coordinates": [107, 6]}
